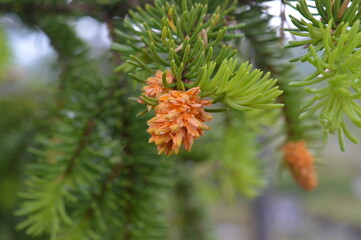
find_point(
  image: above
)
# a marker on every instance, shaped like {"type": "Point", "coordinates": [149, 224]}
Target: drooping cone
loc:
{"type": "Point", "coordinates": [301, 164]}
{"type": "Point", "coordinates": [179, 119]}
{"type": "Point", "coordinates": [154, 86]}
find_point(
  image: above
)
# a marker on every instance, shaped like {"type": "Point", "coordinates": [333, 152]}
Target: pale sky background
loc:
{"type": "Point", "coordinates": [275, 8]}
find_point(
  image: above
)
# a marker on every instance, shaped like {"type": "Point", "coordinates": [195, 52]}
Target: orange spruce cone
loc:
{"type": "Point", "coordinates": [300, 162]}
{"type": "Point", "coordinates": [154, 86]}
{"type": "Point", "coordinates": [179, 119]}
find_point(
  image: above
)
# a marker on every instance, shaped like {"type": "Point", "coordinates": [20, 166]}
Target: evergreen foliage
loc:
{"type": "Point", "coordinates": [238, 168]}
{"type": "Point", "coordinates": [269, 56]}
{"type": "Point", "coordinates": [78, 181]}
{"type": "Point", "coordinates": [333, 44]}
{"type": "Point", "coordinates": [166, 36]}
{"type": "Point", "coordinates": [94, 175]}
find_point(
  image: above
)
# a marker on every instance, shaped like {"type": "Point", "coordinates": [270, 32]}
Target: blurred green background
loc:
{"type": "Point", "coordinates": [282, 212]}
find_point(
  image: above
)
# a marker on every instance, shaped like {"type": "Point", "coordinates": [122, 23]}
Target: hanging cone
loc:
{"type": "Point", "coordinates": [179, 119]}
{"type": "Point", "coordinates": [300, 162]}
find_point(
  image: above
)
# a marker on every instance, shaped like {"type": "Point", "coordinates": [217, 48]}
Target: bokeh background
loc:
{"type": "Point", "coordinates": [281, 212]}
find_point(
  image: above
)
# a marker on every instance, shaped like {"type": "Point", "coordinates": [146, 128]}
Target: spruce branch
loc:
{"type": "Point", "coordinates": [132, 223]}
{"type": "Point", "coordinates": [65, 159]}
{"type": "Point", "coordinates": [191, 42]}
{"type": "Point", "coordinates": [299, 135]}
{"type": "Point", "coordinates": [333, 44]}
{"type": "Point", "coordinates": [237, 168]}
